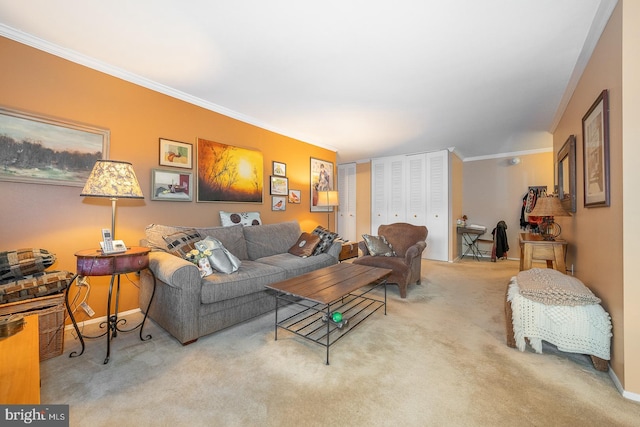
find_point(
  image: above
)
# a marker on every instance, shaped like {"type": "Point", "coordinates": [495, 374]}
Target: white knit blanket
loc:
{"type": "Point", "coordinates": [584, 329]}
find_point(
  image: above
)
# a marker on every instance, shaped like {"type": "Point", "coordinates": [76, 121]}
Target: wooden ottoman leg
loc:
{"type": "Point", "coordinates": [508, 320]}
{"type": "Point", "coordinates": [600, 364]}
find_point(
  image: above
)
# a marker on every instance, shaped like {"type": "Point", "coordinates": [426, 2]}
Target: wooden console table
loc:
{"type": "Point", "coordinates": [533, 246]}
{"type": "Point", "coordinates": [20, 365]}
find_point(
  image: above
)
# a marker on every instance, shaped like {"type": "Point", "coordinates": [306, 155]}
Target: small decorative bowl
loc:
{"type": "Point", "coordinates": [11, 325]}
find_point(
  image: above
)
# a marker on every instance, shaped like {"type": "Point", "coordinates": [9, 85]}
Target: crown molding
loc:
{"type": "Point", "coordinates": [95, 64]}
{"type": "Point", "coordinates": [511, 154]}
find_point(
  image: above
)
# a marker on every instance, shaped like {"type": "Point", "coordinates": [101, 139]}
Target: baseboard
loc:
{"type": "Point", "coordinates": [626, 394]}
{"type": "Point", "coordinates": [101, 319]}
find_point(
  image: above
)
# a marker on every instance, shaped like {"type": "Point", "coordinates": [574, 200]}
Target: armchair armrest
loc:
{"type": "Point", "coordinates": [414, 251]}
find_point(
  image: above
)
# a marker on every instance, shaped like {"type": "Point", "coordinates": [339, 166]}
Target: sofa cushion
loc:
{"type": "Point", "coordinates": [36, 285]}
{"type": "Point", "coordinates": [305, 245]}
{"type": "Point", "coordinates": [295, 265]}
{"type": "Point", "coordinates": [231, 237]}
{"type": "Point", "coordinates": [182, 242]}
{"type": "Point", "coordinates": [378, 245]}
{"type": "Point", "coordinates": [326, 239]}
{"type": "Point", "coordinates": [251, 277]}
{"type": "Point", "coordinates": [244, 218]}
{"type": "Point", "coordinates": [270, 239]}
{"type": "Point", "coordinates": [19, 263]}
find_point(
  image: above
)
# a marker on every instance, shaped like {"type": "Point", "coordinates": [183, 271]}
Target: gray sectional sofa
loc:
{"type": "Point", "coordinates": [188, 306]}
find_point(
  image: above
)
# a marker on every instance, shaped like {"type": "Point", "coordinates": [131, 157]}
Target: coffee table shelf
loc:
{"type": "Point", "coordinates": [311, 317]}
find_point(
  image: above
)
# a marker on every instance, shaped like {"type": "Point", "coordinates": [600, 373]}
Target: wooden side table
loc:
{"type": "Point", "coordinates": [533, 246]}
{"type": "Point", "coordinates": [349, 250]}
{"type": "Point", "coordinates": [20, 365]}
{"type": "Point", "coordinates": [92, 262]}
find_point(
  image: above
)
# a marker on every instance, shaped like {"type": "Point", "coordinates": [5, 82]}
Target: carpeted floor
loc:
{"type": "Point", "coordinates": [437, 359]}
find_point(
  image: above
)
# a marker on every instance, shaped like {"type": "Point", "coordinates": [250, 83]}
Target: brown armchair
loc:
{"type": "Point", "coordinates": [408, 242]}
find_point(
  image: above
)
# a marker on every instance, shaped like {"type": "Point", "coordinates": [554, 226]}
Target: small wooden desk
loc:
{"type": "Point", "coordinates": [533, 246]}
{"type": "Point", "coordinates": [20, 365]}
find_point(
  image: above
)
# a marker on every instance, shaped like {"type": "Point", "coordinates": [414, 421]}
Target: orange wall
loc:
{"type": "Point", "coordinates": [595, 234]}
{"type": "Point", "coordinates": [58, 219]}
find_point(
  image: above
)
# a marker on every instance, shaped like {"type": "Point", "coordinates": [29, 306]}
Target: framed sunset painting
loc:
{"type": "Point", "coordinates": [227, 173]}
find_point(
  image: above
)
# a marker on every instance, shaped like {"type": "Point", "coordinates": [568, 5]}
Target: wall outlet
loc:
{"type": "Point", "coordinates": [87, 309]}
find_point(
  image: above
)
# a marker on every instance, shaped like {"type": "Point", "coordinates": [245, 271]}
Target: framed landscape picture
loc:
{"type": "Point", "coordinates": [279, 185]}
{"type": "Point", "coordinates": [42, 150]}
{"type": "Point", "coordinates": [176, 154]}
{"type": "Point", "coordinates": [228, 174]}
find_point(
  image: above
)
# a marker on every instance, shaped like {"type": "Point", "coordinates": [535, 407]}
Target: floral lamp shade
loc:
{"type": "Point", "coordinates": [114, 179]}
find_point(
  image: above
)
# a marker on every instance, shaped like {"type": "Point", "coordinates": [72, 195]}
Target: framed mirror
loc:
{"type": "Point", "coordinates": [567, 174]}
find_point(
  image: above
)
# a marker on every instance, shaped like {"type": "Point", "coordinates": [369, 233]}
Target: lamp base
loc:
{"type": "Point", "coordinates": [549, 230]}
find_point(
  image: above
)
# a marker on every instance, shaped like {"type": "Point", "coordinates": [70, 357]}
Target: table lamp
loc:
{"type": "Point", "coordinates": [328, 199]}
{"type": "Point", "coordinates": [547, 208]}
{"type": "Point", "coordinates": [113, 179]}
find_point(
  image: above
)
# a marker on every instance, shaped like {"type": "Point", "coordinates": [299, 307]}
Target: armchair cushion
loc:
{"type": "Point", "coordinates": [378, 245]}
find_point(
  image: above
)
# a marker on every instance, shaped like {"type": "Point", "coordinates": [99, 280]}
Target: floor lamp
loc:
{"type": "Point", "coordinates": [113, 179]}
{"type": "Point", "coordinates": [328, 199]}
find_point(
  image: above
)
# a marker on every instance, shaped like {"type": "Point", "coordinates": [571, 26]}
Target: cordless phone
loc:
{"type": "Point", "coordinates": [110, 246]}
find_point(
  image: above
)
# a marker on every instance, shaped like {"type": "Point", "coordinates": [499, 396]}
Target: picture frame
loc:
{"type": "Point", "coordinates": [321, 178]}
{"type": "Point", "coordinates": [278, 203]}
{"type": "Point", "coordinates": [279, 169]}
{"type": "Point", "coordinates": [171, 185]}
{"type": "Point", "coordinates": [295, 197]}
{"type": "Point", "coordinates": [567, 174]}
{"type": "Point", "coordinates": [226, 173]}
{"type": "Point", "coordinates": [595, 139]}
{"type": "Point", "coordinates": [175, 154]}
{"type": "Point", "coordinates": [60, 152]}
{"type": "Point", "coordinates": [279, 186]}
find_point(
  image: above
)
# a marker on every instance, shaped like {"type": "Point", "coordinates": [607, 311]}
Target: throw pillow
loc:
{"type": "Point", "coordinates": [305, 245]}
{"type": "Point", "coordinates": [551, 287]}
{"type": "Point", "coordinates": [326, 239]}
{"type": "Point", "coordinates": [181, 243]}
{"type": "Point", "coordinates": [378, 245]}
{"type": "Point", "coordinates": [220, 258]}
{"type": "Point", "coordinates": [244, 218]}
{"type": "Point", "coordinates": [19, 263]}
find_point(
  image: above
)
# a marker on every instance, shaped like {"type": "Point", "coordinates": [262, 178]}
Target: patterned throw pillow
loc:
{"type": "Point", "coordinates": [23, 262]}
{"type": "Point", "coordinates": [181, 242]}
{"type": "Point", "coordinates": [37, 285]}
{"type": "Point", "coordinates": [326, 239]}
{"type": "Point", "coordinates": [305, 245]}
{"type": "Point", "coordinates": [244, 218]}
{"type": "Point", "coordinates": [378, 245]}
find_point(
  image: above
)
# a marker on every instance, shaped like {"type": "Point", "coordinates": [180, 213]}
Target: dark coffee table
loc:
{"type": "Point", "coordinates": [315, 296]}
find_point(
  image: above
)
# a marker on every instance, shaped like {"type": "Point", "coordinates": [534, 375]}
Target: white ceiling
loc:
{"type": "Point", "coordinates": [364, 77]}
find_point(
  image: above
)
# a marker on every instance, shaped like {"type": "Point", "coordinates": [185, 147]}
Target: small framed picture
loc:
{"type": "Point", "coordinates": [294, 196]}
{"type": "Point", "coordinates": [171, 185]}
{"type": "Point", "coordinates": [176, 154]}
{"type": "Point", "coordinates": [278, 203]}
{"type": "Point", "coordinates": [279, 169]}
{"type": "Point", "coordinates": [279, 186]}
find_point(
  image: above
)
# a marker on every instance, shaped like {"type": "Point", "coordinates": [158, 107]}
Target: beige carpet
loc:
{"type": "Point", "coordinates": [437, 359]}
